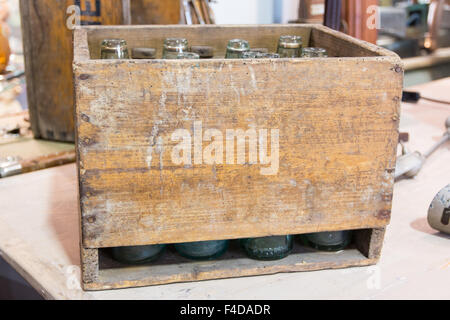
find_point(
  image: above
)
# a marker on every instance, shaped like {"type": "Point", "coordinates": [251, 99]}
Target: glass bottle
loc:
{"type": "Point", "coordinates": [267, 56]}
{"type": "Point", "coordinates": [259, 55]}
{"type": "Point", "coordinates": [174, 46]}
{"type": "Point", "coordinates": [137, 254]}
{"type": "Point", "coordinates": [117, 49]}
{"type": "Point", "coordinates": [236, 49]}
{"type": "Point", "coordinates": [290, 46]}
{"type": "Point", "coordinates": [312, 52]}
{"type": "Point", "coordinates": [249, 55]}
{"type": "Point", "coordinates": [268, 248]}
{"type": "Point", "coordinates": [325, 241]}
{"type": "Point", "coordinates": [114, 49]}
{"type": "Point", "coordinates": [202, 250]}
{"type": "Point", "coordinates": [260, 50]}
{"type": "Point", "coordinates": [328, 241]}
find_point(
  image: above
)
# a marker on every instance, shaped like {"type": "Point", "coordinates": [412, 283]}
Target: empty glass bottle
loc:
{"type": "Point", "coordinates": [268, 248]}
{"type": "Point", "coordinates": [200, 250]}
{"type": "Point", "coordinates": [174, 46]}
{"type": "Point", "coordinates": [268, 56]}
{"type": "Point", "coordinates": [249, 55]}
{"type": "Point", "coordinates": [259, 55]}
{"type": "Point", "coordinates": [137, 254]}
{"type": "Point", "coordinates": [236, 48]}
{"type": "Point", "coordinates": [117, 49]}
{"type": "Point", "coordinates": [203, 250]}
{"type": "Point", "coordinates": [290, 46]}
{"type": "Point", "coordinates": [114, 49]}
{"type": "Point", "coordinates": [311, 52]}
{"type": "Point", "coordinates": [328, 241]}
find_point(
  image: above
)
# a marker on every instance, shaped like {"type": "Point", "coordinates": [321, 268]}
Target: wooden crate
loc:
{"type": "Point", "coordinates": [48, 54]}
{"type": "Point", "coordinates": [337, 120]}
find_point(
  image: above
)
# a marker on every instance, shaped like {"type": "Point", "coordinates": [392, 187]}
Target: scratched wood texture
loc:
{"type": "Point", "coordinates": [48, 54]}
{"type": "Point", "coordinates": [338, 122]}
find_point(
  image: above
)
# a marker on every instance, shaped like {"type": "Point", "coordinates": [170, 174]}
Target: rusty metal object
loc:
{"type": "Point", "coordinates": [12, 166]}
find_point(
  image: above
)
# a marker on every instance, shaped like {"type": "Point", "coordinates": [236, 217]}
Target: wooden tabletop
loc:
{"type": "Point", "coordinates": [39, 235]}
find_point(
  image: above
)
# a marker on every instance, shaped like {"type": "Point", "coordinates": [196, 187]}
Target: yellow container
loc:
{"type": "Point", "coordinates": [4, 50]}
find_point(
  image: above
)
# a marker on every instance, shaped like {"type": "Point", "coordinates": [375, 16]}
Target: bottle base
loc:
{"type": "Point", "coordinates": [202, 251]}
{"type": "Point", "coordinates": [318, 241]}
{"type": "Point", "coordinates": [137, 255]}
{"type": "Point", "coordinates": [268, 248]}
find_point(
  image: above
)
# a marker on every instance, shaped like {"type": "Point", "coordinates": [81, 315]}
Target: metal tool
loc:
{"type": "Point", "coordinates": [410, 164]}
{"type": "Point", "coordinates": [439, 211]}
{"type": "Point", "coordinates": [10, 167]}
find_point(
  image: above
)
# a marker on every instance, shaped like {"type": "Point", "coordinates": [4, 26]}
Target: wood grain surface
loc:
{"type": "Point", "coordinates": [48, 53]}
{"type": "Point", "coordinates": [337, 118]}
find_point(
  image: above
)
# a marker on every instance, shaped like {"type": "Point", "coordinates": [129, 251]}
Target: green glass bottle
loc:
{"type": "Point", "coordinates": [290, 47]}
{"type": "Point", "coordinates": [114, 49]}
{"type": "Point", "coordinates": [325, 241]}
{"type": "Point", "coordinates": [174, 46]}
{"type": "Point", "coordinates": [312, 52]}
{"type": "Point", "coordinates": [249, 55]}
{"type": "Point", "coordinates": [202, 250]}
{"type": "Point", "coordinates": [268, 56]}
{"type": "Point", "coordinates": [328, 241]}
{"type": "Point", "coordinates": [259, 55]}
{"type": "Point", "coordinates": [236, 49]}
{"type": "Point", "coordinates": [137, 254]}
{"type": "Point", "coordinates": [268, 248]}
{"type": "Point", "coordinates": [117, 49]}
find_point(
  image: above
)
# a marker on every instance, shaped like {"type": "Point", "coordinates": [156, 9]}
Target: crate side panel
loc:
{"type": "Point", "coordinates": [338, 132]}
{"type": "Point", "coordinates": [341, 45]}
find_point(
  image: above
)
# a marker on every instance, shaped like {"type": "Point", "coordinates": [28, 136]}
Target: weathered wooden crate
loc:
{"type": "Point", "coordinates": [47, 42]}
{"type": "Point", "coordinates": [337, 120]}
{"type": "Point", "coordinates": [48, 52]}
